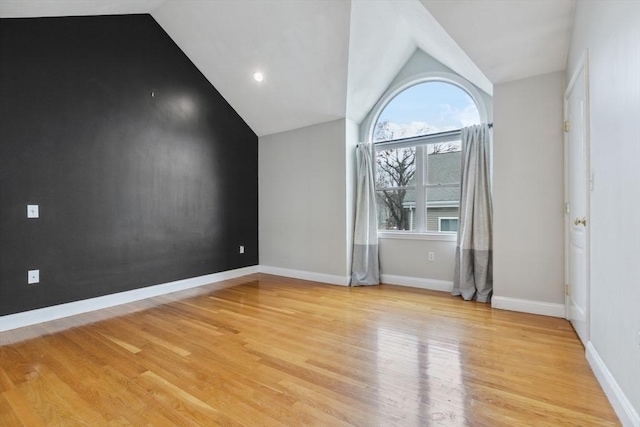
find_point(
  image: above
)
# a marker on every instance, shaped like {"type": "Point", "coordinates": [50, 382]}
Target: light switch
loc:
{"type": "Point", "coordinates": [33, 276]}
{"type": "Point", "coordinates": [33, 211]}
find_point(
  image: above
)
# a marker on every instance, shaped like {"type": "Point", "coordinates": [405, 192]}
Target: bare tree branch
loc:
{"type": "Point", "coordinates": [396, 168]}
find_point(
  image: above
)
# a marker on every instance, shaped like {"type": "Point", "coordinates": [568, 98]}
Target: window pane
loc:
{"type": "Point", "coordinates": [396, 167]}
{"type": "Point", "coordinates": [443, 196]}
{"type": "Point", "coordinates": [441, 202]}
{"type": "Point", "coordinates": [448, 224]}
{"type": "Point", "coordinates": [396, 209]}
{"type": "Point", "coordinates": [425, 109]}
{"type": "Point", "coordinates": [443, 163]}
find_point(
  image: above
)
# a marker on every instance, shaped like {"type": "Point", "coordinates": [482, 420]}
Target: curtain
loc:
{"type": "Point", "coordinates": [365, 267]}
{"type": "Point", "coordinates": [473, 275]}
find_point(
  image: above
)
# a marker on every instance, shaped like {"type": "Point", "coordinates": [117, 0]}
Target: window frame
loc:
{"type": "Point", "coordinates": [421, 185]}
{"type": "Point", "coordinates": [385, 99]}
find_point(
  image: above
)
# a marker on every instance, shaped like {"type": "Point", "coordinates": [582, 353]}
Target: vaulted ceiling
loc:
{"type": "Point", "coordinates": [509, 40]}
{"type": "Point", "coordinates": [324, 60]}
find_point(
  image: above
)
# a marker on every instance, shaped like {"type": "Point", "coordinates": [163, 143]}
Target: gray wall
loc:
{"type": "Point", "coordinates": [351, 142]}
{"type": "Point", "coordinates": [528, 189]}
{"type": "Point", "coordinates": [408, 258]}
{"type": "Point", "coordinates": [611, 32]}
{"type": "Point", "coordinates": [303, 199]}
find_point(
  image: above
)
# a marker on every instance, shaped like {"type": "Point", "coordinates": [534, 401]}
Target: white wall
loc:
{"type": "Point", "coordinates": [528, 185]}
{"type": "Point", "coordinates": [611, 32]}
{"type": "Point", "coordinates": [303, 199]}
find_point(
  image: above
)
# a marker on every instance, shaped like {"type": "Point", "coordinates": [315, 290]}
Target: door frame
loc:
{"type": "Point", "coordinates": [582, 66]}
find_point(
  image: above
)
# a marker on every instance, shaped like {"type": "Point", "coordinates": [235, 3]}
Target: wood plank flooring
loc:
{"type": "Point", "coordinates": [270, 351]}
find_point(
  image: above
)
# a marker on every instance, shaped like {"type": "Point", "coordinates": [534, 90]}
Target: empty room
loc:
{"type": "Point", "coordinates": [320, 212]}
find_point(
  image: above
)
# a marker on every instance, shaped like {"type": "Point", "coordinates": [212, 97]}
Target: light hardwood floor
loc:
{"type": "Point", "coordinates": [265, 350]}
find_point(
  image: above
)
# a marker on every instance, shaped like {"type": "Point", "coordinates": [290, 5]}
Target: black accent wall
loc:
{"type": "Point", "coordinates": [144, 174]}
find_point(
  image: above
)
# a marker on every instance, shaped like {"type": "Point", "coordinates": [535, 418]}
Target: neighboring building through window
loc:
{"type": "Point", "coordinates": [417, 142]}
{"type": "Point", "coordinates": [448, 224]}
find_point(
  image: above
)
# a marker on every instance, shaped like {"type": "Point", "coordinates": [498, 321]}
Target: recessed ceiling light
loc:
{"type": "Point", "coordinates": [257, 76]}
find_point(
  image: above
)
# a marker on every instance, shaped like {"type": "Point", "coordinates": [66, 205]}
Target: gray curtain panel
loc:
{"type": "Point", "coordinates": [365, 267]}
{"type": "Point", "coordinates": [473, 276]}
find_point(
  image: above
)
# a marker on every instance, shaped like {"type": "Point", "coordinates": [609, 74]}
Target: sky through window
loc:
{"type": "Point", "coordinates": [424, 109]}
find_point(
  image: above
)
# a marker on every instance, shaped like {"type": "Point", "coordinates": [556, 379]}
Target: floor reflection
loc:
{"type": "Point", "coordinates": [418, 382]}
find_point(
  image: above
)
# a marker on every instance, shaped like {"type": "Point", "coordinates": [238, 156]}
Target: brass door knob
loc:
{"type": "Point", "coordinates": [578, 221]}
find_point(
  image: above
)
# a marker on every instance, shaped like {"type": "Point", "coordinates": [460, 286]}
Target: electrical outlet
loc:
{"type": "Point", "coordinates": [431, 256]}
{"type": "Point", "coordinates": [241, 249]}
{"type": "Point", "coordinates": [33, 276]}
{"type": "Point", "coordinates": [33, 211]}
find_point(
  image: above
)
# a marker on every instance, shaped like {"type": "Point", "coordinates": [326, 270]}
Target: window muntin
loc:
{"type": "Point", "coordinates": [407, 178]}
{"type": "Point", "coordinates": [418, 161]}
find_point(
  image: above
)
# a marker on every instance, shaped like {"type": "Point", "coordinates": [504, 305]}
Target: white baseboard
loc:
{"type": "Point", "coordinates": [621, 404]}
{"type": "Point", "coordinates": [306, 275]}
{"type": "Point", "coordinates": [528, 306]}
{"type": "Point", "coordinates": [18, 320]}
{"type": "Point", "coordinates": [26, 318]}
{"type": "Point", "coordinates": [417, 282]}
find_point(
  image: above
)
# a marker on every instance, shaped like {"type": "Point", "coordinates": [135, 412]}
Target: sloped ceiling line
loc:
{"type": "Point", "coordinates": [325, 60]}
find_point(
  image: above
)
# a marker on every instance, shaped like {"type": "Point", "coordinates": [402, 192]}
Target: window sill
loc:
{"type": "Point", "coordinates": [409, 235]}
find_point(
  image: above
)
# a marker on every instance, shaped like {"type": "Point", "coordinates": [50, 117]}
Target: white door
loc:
{"type": "Point", "coordinates": [578, 187]}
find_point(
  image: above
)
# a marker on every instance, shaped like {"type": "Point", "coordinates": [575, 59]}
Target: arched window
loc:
{"type": "Point", "coordinates": [424, 109]}
{"type": "Point", "coordinates": [416, 133]}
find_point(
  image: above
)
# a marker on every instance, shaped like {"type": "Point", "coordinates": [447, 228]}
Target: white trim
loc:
{"type": "Point", "coordinates": [621, 404]}
{"type": "Point", "coordinates": [420, 140]}
{"type": "Point", "coordinates": [306, 275]}
{"type": "Point", "coordinates": [408, 235]}
{"type": "Point", "coordinates": [528, 306]}
{"type": "Point", "coordinates": [567, 272]}
{"type": "Point", "coordinates": [444, 203]}
{"type": "Point", "coordinates": [572, 82]}
{"type": "Point", "coordinates": [582, 67]}
{"type": "Point", "coordinates": [46, 314]}
{"type": "Point", "coordinates": [417, 282]}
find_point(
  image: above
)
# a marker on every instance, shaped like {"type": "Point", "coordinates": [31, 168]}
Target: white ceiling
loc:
{"type": "Point", "coordinates": [325, 60]}
{"type": "Point", "coordinates": [38, 8]}
{"type": "Point", "coordinates": [300, 46]}
{"type": "Point", "coordinates": [383, 35]}
{"type": "Point", "coordinates": [509, 40]}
